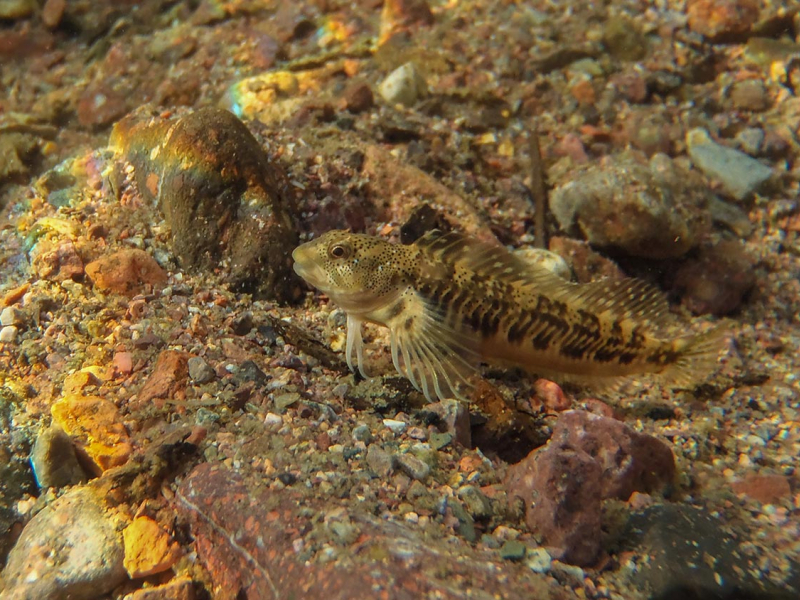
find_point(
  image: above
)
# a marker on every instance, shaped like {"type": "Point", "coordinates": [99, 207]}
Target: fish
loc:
{"type": "Point", "coordinates": [452, 302]}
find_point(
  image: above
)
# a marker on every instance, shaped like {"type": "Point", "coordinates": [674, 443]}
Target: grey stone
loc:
{"type": "Point", "coordinates": [361, 433]}
{"type": "Point", "coordinates": [739, 175]}
{"type": "Point", "coordinates": [54, 461]}
{"type": "Point", "coordinates": [696, 554]}
{"type": "Point", "coordinates": [455, 420]}
{"type": "Point", "coordinates": [11, 315]}
{"type": "Point", "coordinates": [466, 525]}
{"type": "Point", "coordinates": [513, 550]}
{"type": "Point", "coordinates": [413, 466]}
{"type": "Point", "coordinates": [654, 210]}
{"type": "Point", "coordinates": [539, 560]}
{"type": "Point", "coordinates": [379, 461]}
{"type": "Point", "coordinates": [71, 549]}
{"type": "Point", "coordinates": [476, 503]}
{"type": "Point", "coordinates": [200, 371]}
{"type": "Point", "coordinates": [751, 140]}
{"type": "Point", "coordinates": [405, 85]}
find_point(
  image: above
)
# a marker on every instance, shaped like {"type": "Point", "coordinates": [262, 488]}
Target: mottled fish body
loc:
{"type": "Point", "coordinates": [451, 302]}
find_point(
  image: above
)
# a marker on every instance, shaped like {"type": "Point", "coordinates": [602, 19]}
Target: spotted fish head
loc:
{"type": "Point", "coordinates": [360, 273]}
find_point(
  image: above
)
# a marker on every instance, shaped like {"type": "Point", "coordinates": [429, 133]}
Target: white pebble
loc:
{"type": "Point", "coordinates": [397, 427]}
{"type": "Point", "coordinates": [8, 334]}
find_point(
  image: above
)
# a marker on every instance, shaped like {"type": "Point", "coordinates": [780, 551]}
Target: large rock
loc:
{"type": "Point", "coordinates": [227, 204]}
{"type": "Point", "coordinates": [589, 458]}
{"type": "Point", "coordinates": [648, 210]}
{"type": "Point", "coordinates": [71, 549]}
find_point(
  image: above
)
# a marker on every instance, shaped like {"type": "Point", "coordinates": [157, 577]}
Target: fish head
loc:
{"type": "Point", "coordinates": [360, 273]}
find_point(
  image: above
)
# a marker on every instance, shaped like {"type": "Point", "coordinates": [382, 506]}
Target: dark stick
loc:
{"type": "Point", "coordinates": [538, 189]}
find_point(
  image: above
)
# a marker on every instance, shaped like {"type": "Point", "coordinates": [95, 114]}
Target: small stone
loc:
{"type": "Point", "coordinates": [96, 426]}
{"type": "Point", "coordinates": [126, 272]}
{"type": "Point", "coordinates": [413, 466]}
{"type": "Point", "coordinates": [405, 85]}
{"type": "Point", "coordinates": [624, 40]}
{"type": "Point", "coordinates": [476, 503]}
{"type": "Point", "coordinates": [751, 140]}
{"type": "Point", "coordinates": [284, 401]}
{"type": "Point", "coordinates": [148, 548]}
{"type": "Point", "coordinates": [765, 489]}
{"type": "Point", "coordinates": [181, 588]}
{"type": "Point", "coordinates": [123, 363]}
{"type": "Point", "coordinates": [539, 560]}
{"type": "Point", "coordinates": [200, 371]}
{"type": "Point", "coordinates": [70, 549]}
{"type": "Point", "coordinates": [8, 334]}
{"type": "Point", "coordinates": [513, 550]}
{"type": "Point", "coordinates": [168, 379]}
{"type": "Point", "coordinates": [52, 12]}
{"type": "Point", "coordinates": [361, 433]}
{"type": "Point", "coordinates": [397, 427]}
{"type": "Point", "coordinates": [59, 262]}
{"type": "Point", "coordinates": [11, 315]}
{"type": "Point", "coordinates": [721, 20]}
{"type": "Point", "coordinates": [466, 526]}
{"type": "Point", "coordinates": [454, 419]}
{"type": "Point", "coordinates": [739, 175]}
{"type": "Point", "coordinates": [249, 371]}
{"type": "Point", "coordinates": [717, 280]}
{"type": "Point", "coordinates": [440, 440]}
{"type": "Point", "coordinates": [545, 259]}
{"type": "Point", "coordinates": [750, 94]}
{"type": "Point", "coordinates": [554, 398]}
{"type": "Point", "coordinates": [379, 461]}
{"type": "Point", "coordinates": [358, 97]}
{"type": "Point", "coordinates": [402, 15]}
{"type": "Point", "coordinates": [54, 461]}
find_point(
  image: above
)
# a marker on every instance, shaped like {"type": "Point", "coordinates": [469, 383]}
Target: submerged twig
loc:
{"type": "Point", "coordinates": [538, 189]}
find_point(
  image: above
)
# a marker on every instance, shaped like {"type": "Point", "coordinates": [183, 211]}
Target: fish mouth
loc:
{"type": "Point", "coordinates": [308, 269]}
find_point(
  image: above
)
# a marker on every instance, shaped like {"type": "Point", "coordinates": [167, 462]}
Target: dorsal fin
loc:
{"type": "Point", "coordinates": [621, 298]}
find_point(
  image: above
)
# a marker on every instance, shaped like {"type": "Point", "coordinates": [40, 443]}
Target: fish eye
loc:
{"type": "Point", "coordinates": [339, 251]}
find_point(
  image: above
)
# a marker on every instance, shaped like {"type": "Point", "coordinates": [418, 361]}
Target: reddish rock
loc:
{"type": "Point", "coordinates": [123, 363]}
{"type": "Point", "coordinates": [716, 281]}
{"type": "Point", "coordinates": [562, 490]}
{"type": "Point", "coordinates": [630, 461]}
{"type": "Point", "coordinates": [766, 489]}
{"type": "Point", "coordinates": [58, 263]}
{"type": "Point", "coordinates": [358, 97]}
{"type": "Point", "coordinates": [722, 19]}
{"type": "Point", "coordinates": [168, 379]}
{"type": "Point", "coordinates": [252, 541]}
{"type": "Point", "coordinates": [551, 394]}
{"type": "Point", "coordinates": [126, 272]}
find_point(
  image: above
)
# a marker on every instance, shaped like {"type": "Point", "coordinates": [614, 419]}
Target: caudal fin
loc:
{"type": "Point", "coordinates": [697, 358]}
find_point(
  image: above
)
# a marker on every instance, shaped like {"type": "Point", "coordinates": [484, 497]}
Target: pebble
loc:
{"type": "Point", "coordinates": [512, 550]}
{"type": "Point", "coordinates": [182, 588]}
{"type": "Point", "coordinates": [405, 85]}
{"type": "Point", "coordinates": [11, 315]}
{"type": "Point", "coordinates": [8, 334]}
{"type": "Point", "coordinates": [739, 175]}
{"type": "Point", "coordinates": [455, 420]}
{"type": "Point", "coordinates": [397, 427]}
{"type": "Point", "coordinates": [413, 466]}
{"type": "Point", "coordinates": [17, 9]}
{"type": "Point", "coordinates": [722, 19]}
{"type": "Point", "coordinates": [539, 560]}
{"type": "Point", "coordinates": [358, 97]}
{"type": "Point", "coordinates": [70, 549]}
{"type": "Point", "coordinates": [200, 371]}
{"type": "Point", "coordinates": [750, 95]}
{"type": "Point", "coordinates": [475, 502]}
{"type": "Point", "coordinates": [362, 433]}
{"type": "Point", "coordinates": [126, 272]}
{"type": "Point", "coordinates": [380, 461]}
{"type": "Point", "coordinates": [168, 379]}
{"type": "Point", "coordinates": [54, 461]}
{"type": "Point", "coordinates": [751, 140]}
{"type": "Point", "coordinates": [148, 548]}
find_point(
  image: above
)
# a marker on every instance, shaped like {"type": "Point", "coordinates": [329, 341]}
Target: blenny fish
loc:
{"type": "Point", "coordinates": [452, 302]}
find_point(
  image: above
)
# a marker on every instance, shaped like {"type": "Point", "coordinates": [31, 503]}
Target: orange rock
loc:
{"type": "Point", "coordinates": [470, 463]}
{"type": "Point", "coordinates": [76, 382]}
{"type": "Point", "coordinates": [766, 489]}
{"type": "Point", "coordinates": [126, 272]}
{"type": "Point", "coordinates": [717, 19]}
{"type": "Point", "coordinates": [15, 295]}
{"type": "Point", "coordinates": [554, 398]}
{"type": "Point", "coordinates": [168, 379]}
{"type": "Point", "coordinates": [96, 426]}
{"type": "Point", "coordinates": [148, 548]}
{"type": "Point", "coordinates": [180, 588]}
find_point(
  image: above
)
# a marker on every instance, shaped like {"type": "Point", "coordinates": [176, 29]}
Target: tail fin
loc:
{"type": "Point", "coordinates": [697, 358]}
